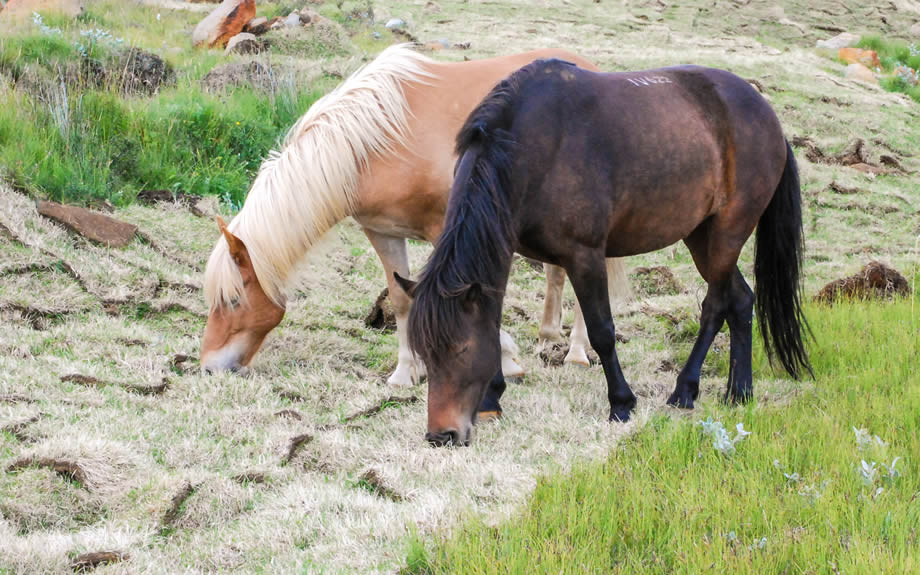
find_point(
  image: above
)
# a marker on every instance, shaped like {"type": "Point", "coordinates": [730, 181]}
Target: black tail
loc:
{"type": "Point", "coordinates": [777, 263]}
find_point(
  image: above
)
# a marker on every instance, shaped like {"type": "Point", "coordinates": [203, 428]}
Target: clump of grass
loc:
{"type": "Point", "coordinates": [801, 492]}
{"type": "Point", "coordinates": [900, 61]}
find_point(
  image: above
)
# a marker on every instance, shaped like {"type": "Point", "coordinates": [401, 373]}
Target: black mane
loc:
{"type": "Point", "coordinates": [478, 240]}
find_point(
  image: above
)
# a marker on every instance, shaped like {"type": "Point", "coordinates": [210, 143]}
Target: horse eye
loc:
{"type": "Point", "coordinates": [233, 303]}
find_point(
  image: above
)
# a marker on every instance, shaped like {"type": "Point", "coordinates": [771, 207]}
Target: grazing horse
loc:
{"type": "Point", "coordinates": [380, 149]}
{"type": "Point", "coordinates": [570, 166]}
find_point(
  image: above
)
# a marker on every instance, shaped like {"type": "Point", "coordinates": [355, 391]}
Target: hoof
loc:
{"type": "Point", "coordinates": [577, 356]}
{"type": "Point", "coordinates": [549, 336]}
{"type": "Point", "coordinates": [620, 415]}
{"type": "Point", "coordinates": [681, 400]}
{"type": "Point", "coordinates": [511, 368]}
{"type": "Point", "coordinates": [738, 398]}
{"type": "Point", "coordinates": [484, 416]}
{"type": "Point", "coordinates": [407, 375]}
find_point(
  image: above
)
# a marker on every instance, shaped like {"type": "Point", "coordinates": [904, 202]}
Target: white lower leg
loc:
{"type": "Point", "coordinates": [409, 370]}
{"type": "Point", "coordinates": [551, 327]}
{"type": "Point", "coordinates": [510, 356]}
{"type": "Point", "coordinates": [578, 345]}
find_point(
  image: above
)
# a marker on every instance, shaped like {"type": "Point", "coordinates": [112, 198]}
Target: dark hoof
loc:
{"type": "Point", "coordinates": [492, 415]}
{"type": "Point", "coordinates": [445, 439]}
{"type": "Point", "coordinates": [739, 397]}
{"type": "Point", "coordinates": [681, 400]}
{"type": "Point", "coordinates": [621, 413]}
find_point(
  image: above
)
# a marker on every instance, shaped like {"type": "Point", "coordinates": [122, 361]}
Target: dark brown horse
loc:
{"type": "Point", "coordinates": [569, 167]}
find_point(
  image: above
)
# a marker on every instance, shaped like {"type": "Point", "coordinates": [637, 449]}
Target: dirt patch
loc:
{"type": "Point", "coordinates": [655, 281]}
{"type": "Point", "coordinates": [250, 477]}
{"type": "Point", "coordinates": [294, 446]}
{"type": "Point", "coordinates": [372, 481]}
{"type": "Point", "coordinates": [15, 398]}
{"type": "Point", "coordinates": [391, 401]}
{"type": "Point", "coordinates": [844, 190]}
{"type": "Point", "coordinates": [874, 281]}
{"type": "Point", "coordinates": [382, 316]}
{"type": "Point", "coordinates": [87, 380]}
{"type": "Point", "coordinates": [66, 468]}
{"type": "Point", "coordinates": [17, 428]}
{"type": "Point", "coordinates": [251, 73]}
{"type": "Point", "coordinates": [177, 504]}
{"type": "Point", "coordinates": [89, 561]}
{"type": "Point", "coordinates": [178, 361]}
{"type": "Point", "coordinates": [855, 155]}
{"type": "Point", "coordinates": [289, 414]}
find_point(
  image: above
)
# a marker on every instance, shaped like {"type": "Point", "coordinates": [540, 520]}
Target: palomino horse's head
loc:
{"type": "Point", "coordinates": [457, 337]}
{"type": "Point", "coordinates": [236, 329]}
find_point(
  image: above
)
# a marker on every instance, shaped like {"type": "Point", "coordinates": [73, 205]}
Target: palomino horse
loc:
{"type": "Point", "coordinates": [569, 167]}
{"type": "Point", "coordinates": [380, 149]}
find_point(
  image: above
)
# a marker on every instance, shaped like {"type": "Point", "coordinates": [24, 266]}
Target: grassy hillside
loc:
{"type": "Point", "coordinates": [110, 439]}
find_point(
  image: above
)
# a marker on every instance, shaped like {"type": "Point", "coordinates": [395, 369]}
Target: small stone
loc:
{"type": "Point", "coordinates": [860, 73]}
{"type": "Point", "coordinates": [842, 40]}
{"type": "Point", "coordinates": [395, 24]}
{"type": "Point", "coordinates": [292, 20]}
{"type": "Point", "coordinates": [915, 30]}
{"type": "Point", "coordinates": [94, 226]}
{"type": "Point", "coordinates": [243, 43]}
{"type": "Point", "coordinates": [868, 58]}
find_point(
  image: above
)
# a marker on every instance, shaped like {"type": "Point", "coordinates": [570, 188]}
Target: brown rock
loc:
{"type": "Point", "coordinates": [225, 22]}
{"type": "Point", "coordinates": [868, 58]}
{"type": "Point", "coordinates": [875, 281]}
{"type": "Point", "coordinates": [244, 43]}
{"type": "Point", "coordinates": [259, 26]}
{"type": "Point", "coordinates": [97, 227]}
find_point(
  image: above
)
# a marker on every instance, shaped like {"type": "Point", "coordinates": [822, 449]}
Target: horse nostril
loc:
{"type": "Point", "coordinates": [445, 438]}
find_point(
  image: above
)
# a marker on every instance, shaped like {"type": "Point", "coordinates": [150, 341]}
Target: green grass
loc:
{"type": "Point", "coordinates": [666, 501]}
{"type": "Point", "coordinates": [71, 135]}
{"type": "Point", "coordinates": [892, 54]}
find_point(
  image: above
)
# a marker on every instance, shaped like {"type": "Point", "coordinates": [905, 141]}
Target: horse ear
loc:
{"type": "Point", "coordinates": [406, 285]}
{"type": "Point", "coordinates": [236, 245]}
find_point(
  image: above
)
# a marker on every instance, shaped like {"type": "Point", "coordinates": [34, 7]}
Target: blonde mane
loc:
{"type": "Point", "coordinates": [311, 183]}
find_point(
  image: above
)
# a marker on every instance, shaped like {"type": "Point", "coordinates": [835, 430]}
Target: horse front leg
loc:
{"type": "Point", "coordinates": [589, 278]}
{"type": "Point", "coordinates": [393, 255]}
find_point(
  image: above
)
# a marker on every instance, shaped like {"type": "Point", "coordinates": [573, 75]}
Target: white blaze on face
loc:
{"type": "Point", "coordinates": [228, 357]}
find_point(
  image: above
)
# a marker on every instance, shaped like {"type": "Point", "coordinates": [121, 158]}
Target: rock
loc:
{"type": "Point", "coordinates": [860, 73]}
{"type": "Point", "coordinates": [252, 73]}
{"type": "Point", "coordinates": [875, 281]}
{"type": "Point", "coordinates": [432, 7]}
{"type": "Point", "coordinates": [868, 58]}
{"type": "Point", "coordinates": [915, 30]}
{"type": "Point", "coordinates": [244, 43]}
{"type": "Point", "coordinates": [842, 40]}
{"type": "Point", "coordinates": [94, 226]}
{"type": "Point", "coordinates": [258, 26]}
{"type": "Point", "coordinates": [292, 20]}
{"type": "Point", "coordinates": [395, 24]}
{"type": "Point", "coordinates": [307, 16]}
{"type": "Point", "coordinates": [225, 22]}
{"type": "Point", "coordinates": [144, 72]}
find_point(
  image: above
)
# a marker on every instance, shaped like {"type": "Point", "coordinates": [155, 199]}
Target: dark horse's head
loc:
{"type": "Point", "coordinates": [456, 309]}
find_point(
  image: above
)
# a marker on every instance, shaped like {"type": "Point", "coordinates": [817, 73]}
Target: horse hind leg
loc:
{"type": "Point", "coordinates": [618, 289]}
{"type": "Point", "coordinates": [740, 320]}
{"type": "Point", "coordinates": [551, 326]}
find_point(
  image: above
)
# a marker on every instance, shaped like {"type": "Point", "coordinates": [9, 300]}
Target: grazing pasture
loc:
{"type": "Point", "coordinates": [115, 452]}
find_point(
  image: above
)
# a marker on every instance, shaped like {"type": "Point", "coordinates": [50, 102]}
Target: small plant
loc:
{"type": "Point", "coordinates": [721, 441]}
{"type": "Point", "coordinates": [45, 29]}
